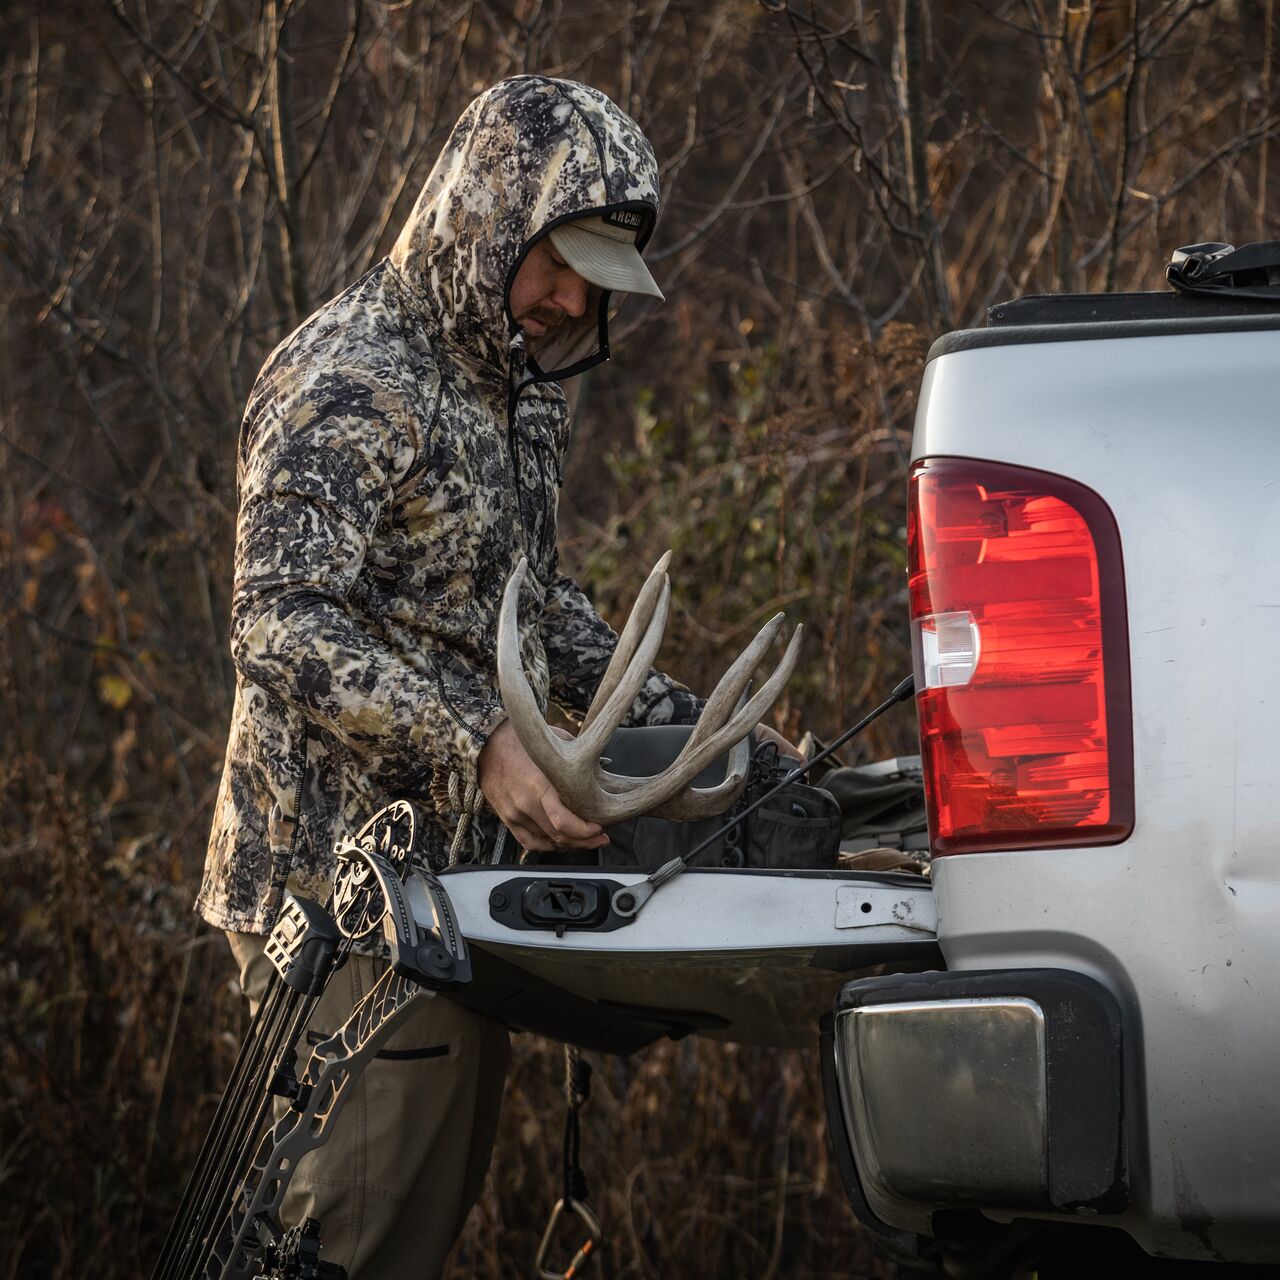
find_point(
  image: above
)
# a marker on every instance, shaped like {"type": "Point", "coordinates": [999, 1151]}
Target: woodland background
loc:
{"type": "Point", "coordinates": [183, 181]}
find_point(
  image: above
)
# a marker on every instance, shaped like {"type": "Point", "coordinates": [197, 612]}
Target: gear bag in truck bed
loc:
{"type": "Point", "coordinates": [798, 829]}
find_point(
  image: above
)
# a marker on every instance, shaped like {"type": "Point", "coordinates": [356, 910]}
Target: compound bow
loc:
{"type": "Point", "coordinates": [228, 1226]}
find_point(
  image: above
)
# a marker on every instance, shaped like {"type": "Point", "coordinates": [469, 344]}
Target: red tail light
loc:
{"type": "Point", "coordinates": [1021, 658]}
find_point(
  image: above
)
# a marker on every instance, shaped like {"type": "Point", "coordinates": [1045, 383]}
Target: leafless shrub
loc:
{"type": "Point", "coordinates": [180, 184]}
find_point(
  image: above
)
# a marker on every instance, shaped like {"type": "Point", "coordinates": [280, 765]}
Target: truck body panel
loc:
{"type": "Point", "coordinates": [1177, 434]}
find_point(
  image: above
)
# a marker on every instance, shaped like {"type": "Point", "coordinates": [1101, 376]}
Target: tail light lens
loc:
{"type": "Point", "coordinates": [1021, 658]}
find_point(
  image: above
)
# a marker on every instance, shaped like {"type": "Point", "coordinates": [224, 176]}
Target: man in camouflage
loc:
{"type": "Point", "coordinates": [399, 453]}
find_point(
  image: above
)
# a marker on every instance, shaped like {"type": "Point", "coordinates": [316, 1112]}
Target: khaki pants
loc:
{"type": "Point", "coordinates": [407, 1156]}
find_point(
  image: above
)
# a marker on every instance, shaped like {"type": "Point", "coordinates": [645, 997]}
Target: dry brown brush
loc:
{"type": "Point", "coordinates": [181, 184]}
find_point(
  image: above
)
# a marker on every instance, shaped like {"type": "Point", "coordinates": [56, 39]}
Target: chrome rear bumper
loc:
{"type": "Point", "coordinates": [991, 1090]}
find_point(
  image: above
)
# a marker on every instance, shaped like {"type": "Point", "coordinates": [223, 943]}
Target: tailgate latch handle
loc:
{"type": "Point", "coordinates": [560, 904]}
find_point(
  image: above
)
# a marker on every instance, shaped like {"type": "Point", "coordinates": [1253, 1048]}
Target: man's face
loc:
{"type": "Point", "coordinates": [546, 291]}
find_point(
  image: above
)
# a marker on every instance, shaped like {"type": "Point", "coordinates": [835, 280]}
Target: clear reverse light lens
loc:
{"type": "Point", "coordinates": [948, 648]}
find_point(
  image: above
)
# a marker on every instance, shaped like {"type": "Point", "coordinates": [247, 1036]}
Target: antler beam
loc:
{"type": "Point", "coordinates": [574, 767]}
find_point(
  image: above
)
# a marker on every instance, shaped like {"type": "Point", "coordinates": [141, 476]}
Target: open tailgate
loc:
{"type": "Point", "coordinates": [754, 956]}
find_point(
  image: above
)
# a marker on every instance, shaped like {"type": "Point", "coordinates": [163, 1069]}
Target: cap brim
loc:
{"type": "Point", "coordinates": [607, 264]}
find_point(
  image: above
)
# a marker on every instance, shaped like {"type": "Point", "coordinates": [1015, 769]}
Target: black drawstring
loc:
{"type": "Point", "coordinates": [577, 1089]}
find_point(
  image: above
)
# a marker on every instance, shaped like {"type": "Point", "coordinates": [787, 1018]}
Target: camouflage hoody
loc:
{"type": "Point", "coordinates": [399, 453]}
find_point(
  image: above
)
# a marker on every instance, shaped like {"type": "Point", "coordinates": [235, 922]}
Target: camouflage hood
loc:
{"type": "Point", "coordinates": [527, 154]}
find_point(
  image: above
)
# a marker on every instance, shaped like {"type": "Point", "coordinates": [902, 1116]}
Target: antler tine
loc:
{"type": "Point", "coordinates": [655, 792]}
{"type": "Point", "coordinates": [610, 713]}
{"type": "Point", "coordinates": [728, 696]}
{"type": "Point", "coordinates": [747, 717]}
{"type": "Point", "coordinates": [637, 621]}
{"type": "Point", "coordinates": [544, 748]}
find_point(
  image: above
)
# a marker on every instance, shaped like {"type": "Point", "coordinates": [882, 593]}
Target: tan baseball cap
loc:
{"type": "Point", "coordinates": [602, 250]}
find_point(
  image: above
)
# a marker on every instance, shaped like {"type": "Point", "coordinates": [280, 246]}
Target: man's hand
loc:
{"type": "Point", "coordinates": [519, 793]}
{"type": "Point", "coordinates": [766, 734]}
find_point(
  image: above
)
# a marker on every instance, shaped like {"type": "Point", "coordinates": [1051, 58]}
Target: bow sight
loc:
{"type": "Point", "coordinates": [228, 1225]}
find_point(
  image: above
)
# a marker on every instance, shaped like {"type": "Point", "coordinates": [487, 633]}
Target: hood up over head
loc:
{"type": "Point", "coordinates": [527, 155]}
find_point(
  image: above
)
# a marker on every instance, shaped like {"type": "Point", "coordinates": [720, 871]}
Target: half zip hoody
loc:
{"type": "Point", "coordinates": [399, 453]}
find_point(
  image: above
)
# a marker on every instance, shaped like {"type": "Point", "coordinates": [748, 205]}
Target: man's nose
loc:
{"type": "Point", "coordinates": [571, 297]}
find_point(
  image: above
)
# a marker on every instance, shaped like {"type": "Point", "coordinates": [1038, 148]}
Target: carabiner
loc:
{"type": "Point", "coordinates": [585, 1251]}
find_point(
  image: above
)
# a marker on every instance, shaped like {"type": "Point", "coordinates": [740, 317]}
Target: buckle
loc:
{"type": "Point", "coordinates": [577, 1264]}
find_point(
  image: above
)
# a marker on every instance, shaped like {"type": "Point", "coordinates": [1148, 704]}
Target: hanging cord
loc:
{"type": "Point", "coordinates": [577, 1089]}
{"type": "Point", "coordinates": [464, 805]}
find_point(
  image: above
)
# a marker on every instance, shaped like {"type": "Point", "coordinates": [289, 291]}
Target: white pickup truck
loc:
{"type": "Point", "coordinates": [1095, 600]}
{"type": "Point", "coordinates": [1065, 1043]}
